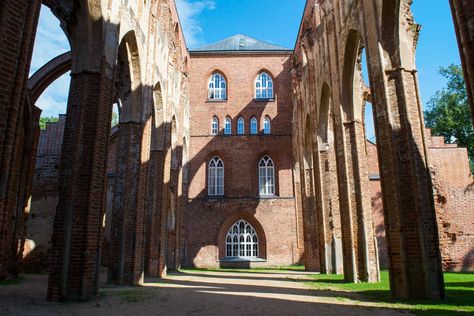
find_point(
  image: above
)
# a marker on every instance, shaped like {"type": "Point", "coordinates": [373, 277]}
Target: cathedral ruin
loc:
{"type": "Point", "coordinates": [240, 153]}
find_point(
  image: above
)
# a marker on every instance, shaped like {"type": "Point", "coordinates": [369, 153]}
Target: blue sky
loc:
{"type": "Point", "coordinates": [208, 21]}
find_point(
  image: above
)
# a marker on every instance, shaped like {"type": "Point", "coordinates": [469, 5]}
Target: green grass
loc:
{"type": "Point", "coordinates": [249, 270]}
{"type": "Point", "coordinates": [459, 294]}
{"type": "Point", "coordinates": [11, 281]}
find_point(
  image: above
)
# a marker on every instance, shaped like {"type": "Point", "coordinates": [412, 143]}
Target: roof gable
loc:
{"type": "Point", "coordinates": [242, 43]}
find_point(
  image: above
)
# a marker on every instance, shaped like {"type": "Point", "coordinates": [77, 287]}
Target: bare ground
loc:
{"type": "Point", "coordinates": [195, 293]}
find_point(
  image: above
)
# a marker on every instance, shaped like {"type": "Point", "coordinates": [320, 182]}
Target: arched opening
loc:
{"type": "Point", "coordinates": [50, 91]}
{"type": "Point", "coordinates": [359, 243]}
{"type": "Point", "coordinates": [242, 241]}
{"type": "Point", "coordinates": [329, 199]}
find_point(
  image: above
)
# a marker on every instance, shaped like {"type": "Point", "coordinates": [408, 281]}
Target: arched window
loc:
{"type": "Point", "coordinates": [241, 126]}
{"type": "Point", "coordinates": [217, 87]}
{"type": "Point", "coordinates": [216, 177]}
{"type": "Point", "coordinates": [266, 176]}
{"type": "Point", "coordinates": [228, 126]}
{"type": "Point", "coordinates": [242, 241]}
{"type": "Point", "coordinates": [215, 126]}
{"type": "Point", "coordinates": [253, 126]}
{"type": "Point", "coordinates": [264, 86]}
{"type": "Point", "coordinates": [267, 126]}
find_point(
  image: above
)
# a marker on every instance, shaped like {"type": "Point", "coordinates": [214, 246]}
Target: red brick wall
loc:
{"type": "Point", "coordinates": [240, 154]}
{"type": "Point", "coordinates": [454, 199]}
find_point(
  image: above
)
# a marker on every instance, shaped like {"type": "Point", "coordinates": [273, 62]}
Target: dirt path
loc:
{"type": "Point", "coordinates": [193, 293]}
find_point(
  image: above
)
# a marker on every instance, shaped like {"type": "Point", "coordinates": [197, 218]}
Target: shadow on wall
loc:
{"type": "Point", "coordinates": [206, 216]}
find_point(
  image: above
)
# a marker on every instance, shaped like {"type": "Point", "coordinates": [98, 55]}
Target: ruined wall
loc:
{"type": "Point", "coordinates": [454, 197]}
{"type": "Point", "coordinates": [45, 196]}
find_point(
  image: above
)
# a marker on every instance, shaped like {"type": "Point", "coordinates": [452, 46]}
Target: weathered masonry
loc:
{"type": "Point", "coordinates": [241, 153]}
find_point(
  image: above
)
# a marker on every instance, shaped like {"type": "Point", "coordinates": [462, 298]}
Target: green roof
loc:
{"type": "Point", "coordinates": [241, 43]}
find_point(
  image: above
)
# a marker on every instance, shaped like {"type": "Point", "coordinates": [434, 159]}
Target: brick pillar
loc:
{"type": "Point", "coordinates": [330, 205]}
{"type": "Point", "coordinates": [463, 16]}
{"type": "Point", "coordinates": [155, 192]}
{"type": "Point", "coordinates": [312, 257]}
{"type": "Point", "coordinates": [18, 22]}
{"type": "Point", "coordinates": [410, 218]}
{"type": "Point", "coordinates": [321, 218]}
{"type": "Point", "coordinates": [358, 238]}
{"type": "Point", "coordinates": [165, 205]}
{"type": "Point", "coordinates": [76, 239]}
{"type": "Point", "coordinates": [127, 253]}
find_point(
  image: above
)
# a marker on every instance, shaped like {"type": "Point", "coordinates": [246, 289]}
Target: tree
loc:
{"type": "Point", "coordinates": [449, 114]}
{"type": "Point", "coordinates": [44, 120]}
{"type": "Point", "coordinates": [115, 119]}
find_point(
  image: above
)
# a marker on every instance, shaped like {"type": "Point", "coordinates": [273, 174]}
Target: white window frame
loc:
{"type": "Point", "coordinates": [228, 126]}
{"type": "Point", "coordinates": [253, 126]}
{"type": "Point", "coordinates": [215, 126]}
{"type": "Point", "coordinates": [241, 126]}
{"type": "Point", "coordinates": [242, 241]}
{"type": "Point", "coordinates": [216, 177]}
{"type": "Point", "coordinates": [264, 86]}
{"type": "Point", "coordinates": [266, 177]}
{"type": "Point", "coordinates": [217, 87]}
{"type": "Point", "coordinates": [267, 126]}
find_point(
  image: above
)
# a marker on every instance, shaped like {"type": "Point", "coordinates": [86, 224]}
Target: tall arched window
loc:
{"type": "Point", "coordinates": [242, 241]}
{"type": "Point", "coordinates": [241, 126]}
{"type": "Point", "coordinates": [216, 177]}
{"type": "Point", "coordinates": [267, 126]}
{"type": "Point", "coordinates": [253, 126]}
{"type": "Point", "coordinates": [264, 86]}
{"type": "Point", "coordinates": [228, 126]}
{"type": "Point", "coordinates": [217, 87]}
{"type": "Point", "coordinates": [266, 176]}
{"type": "Point", "coordinates": [215, 126]}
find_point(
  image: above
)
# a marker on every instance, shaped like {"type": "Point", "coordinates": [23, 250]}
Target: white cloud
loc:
{"type": "Point", "coordinates": [54, 99]}
{"type": "Point", "coordinates": [189, 12]}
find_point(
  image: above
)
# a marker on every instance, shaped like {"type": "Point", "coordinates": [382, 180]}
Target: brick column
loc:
{"type": "Point", "coordinates": [330, 206]}
{"type": "Point", "coordinates": [165, 205]}
{"type": "Point", "coordinates": [75, 254]}
{"type": "Point", "coordinates": [127, 253]}
{"type": "Point", "coordinates": [312, 256]}
{"type": "Point", "coordinates": [410, 218]}
{"type": "Point", "coordinates": [18, 22]}
{"type": "Point", "coordinates": [358, 238]}
{"type": "Point", "coordinates": [463, 16]}
{"type": "Point", "coordinates": [155, 192]}
{"type": "Point", "coordinates": [321, 218]}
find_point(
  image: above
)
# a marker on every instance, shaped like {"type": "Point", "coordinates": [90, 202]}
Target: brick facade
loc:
{"type": "Point", "coordinates": [241, 155]}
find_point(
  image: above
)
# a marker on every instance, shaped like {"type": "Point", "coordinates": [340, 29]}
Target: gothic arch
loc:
{"type": "Point", "coordinates": [130, 83]}
{"type": "Point", "coordinates": [230, 221]}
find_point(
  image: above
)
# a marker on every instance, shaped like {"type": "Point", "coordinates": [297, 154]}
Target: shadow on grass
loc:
{"type": "Point", "coordinates": [459, 294]}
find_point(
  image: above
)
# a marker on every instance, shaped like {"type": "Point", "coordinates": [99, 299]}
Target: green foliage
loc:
{"type": "Point", "coordinates": [44, 120]}
{"type": "Point", "coordinates": [449, 113]}
{"type": "Point", "coordinates": [115, 119]}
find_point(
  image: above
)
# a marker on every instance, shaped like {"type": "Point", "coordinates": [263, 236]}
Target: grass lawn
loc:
{"type": "Point", "coordinates": [459, 294]}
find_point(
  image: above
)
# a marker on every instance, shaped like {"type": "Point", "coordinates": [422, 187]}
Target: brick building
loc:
{"type": "Point", "coordinates": [240, 153]}
{"type": "Point", "coordinates": [240, 159]}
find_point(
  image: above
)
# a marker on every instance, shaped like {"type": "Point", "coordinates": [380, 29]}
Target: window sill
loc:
{"type": "Point", "coordinates": [240, 259]}
{"type": "Point", "coordinates": [268, 197]}
{"type": "Point", "coordinates": [216, 101]}
{"type": "Point", "coordinates": [264, 99]}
